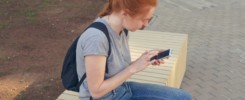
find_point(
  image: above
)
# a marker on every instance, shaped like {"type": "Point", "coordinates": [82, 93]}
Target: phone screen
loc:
{"type": "Point", "coordinates": [162, 54]}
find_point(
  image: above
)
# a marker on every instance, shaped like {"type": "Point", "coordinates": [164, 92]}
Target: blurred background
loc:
{"type": "Point", "coordinates": [34, 37]}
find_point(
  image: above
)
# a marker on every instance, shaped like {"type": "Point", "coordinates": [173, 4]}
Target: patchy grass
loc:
{"type": "Point", "coordinates": [3, 74]}
{"type": "Point", "coordinates": [22, 96]}
{"type": "Point", "coordinates": [31, 16]}
{"type": "Point", "coordinates": [4, 1]}
{"type": "Point", "coordinates": [47, 3]}
{"type": "Point", "coordinates": [3, 58]}
{"type": "Point", "coordinates": [4, 25]}
{"type": "Point", "coordinates": [46, 87]}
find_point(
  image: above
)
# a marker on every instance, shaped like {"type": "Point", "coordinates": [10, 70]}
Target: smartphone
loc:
{"type": "Point", "coordinates": [163, 54]}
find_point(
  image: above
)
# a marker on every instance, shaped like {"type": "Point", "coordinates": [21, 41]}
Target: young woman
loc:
{"type": "Point", "coordinates": [92, 54]}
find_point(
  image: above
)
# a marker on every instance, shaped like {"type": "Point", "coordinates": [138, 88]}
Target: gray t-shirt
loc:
{"type": "Point", "coordinates": [94, 42]}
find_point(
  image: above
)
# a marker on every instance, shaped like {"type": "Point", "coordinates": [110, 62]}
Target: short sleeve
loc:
{"type": "Point", "coordinates": [94, 42]}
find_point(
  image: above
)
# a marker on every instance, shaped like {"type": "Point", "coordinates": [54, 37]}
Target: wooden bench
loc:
{"type": "Point", "coordinates": [170, 74]}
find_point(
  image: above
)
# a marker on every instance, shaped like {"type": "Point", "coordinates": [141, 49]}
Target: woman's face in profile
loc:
{"type": "Point", "coordinates": [138, 21]}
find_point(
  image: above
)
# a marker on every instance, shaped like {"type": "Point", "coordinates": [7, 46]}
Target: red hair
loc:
{"type": "Point", "coordinates": [132, 7]}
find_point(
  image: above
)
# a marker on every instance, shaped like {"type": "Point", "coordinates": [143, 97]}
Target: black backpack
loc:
{"type": "Point", "coordinates": [69, 71]}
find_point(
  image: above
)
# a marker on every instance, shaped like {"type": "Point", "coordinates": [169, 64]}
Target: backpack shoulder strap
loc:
{"type": "Point", "coordinates": [126, 31]}
{"type": "Point", "coordinates": [102, 27]}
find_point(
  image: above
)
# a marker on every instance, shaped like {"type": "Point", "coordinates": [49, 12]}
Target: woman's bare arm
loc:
{"type": "Point", "coordinates": [95, 69]}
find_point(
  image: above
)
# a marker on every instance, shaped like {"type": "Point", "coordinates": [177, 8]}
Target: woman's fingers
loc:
{"type": "Point", "coordinates": [151, 54]}
{"type": "Point", "coordinates": [155, 63]}
{"type": "Point", "coordinates": [161, 61]}
{"type": "Point", "coordinates": [158, 62]}
{"type": "Point", "coordinates": [146, 52]}
{"type": "Point", "coordinates": [147, 55]}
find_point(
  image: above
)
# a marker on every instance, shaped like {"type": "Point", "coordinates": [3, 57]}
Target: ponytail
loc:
{"type": "Point", "coordinates": [133, 7]}
{"type": "Point", "coordinates": [107, 9]}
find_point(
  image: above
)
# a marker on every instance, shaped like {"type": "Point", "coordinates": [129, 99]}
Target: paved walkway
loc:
{"type": "Point", "coordinates": [216, 51]}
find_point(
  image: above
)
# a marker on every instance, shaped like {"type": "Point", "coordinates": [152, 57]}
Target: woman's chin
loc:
{"type": "Point", "coordinates": [133, 30]}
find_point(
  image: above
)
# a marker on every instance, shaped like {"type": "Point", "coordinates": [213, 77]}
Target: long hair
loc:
{"type": "Point", "coordinates": [132, 7]}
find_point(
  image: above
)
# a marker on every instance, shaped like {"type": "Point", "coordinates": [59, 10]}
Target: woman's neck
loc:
{"type": "Point", "coordinates": [115, 22]}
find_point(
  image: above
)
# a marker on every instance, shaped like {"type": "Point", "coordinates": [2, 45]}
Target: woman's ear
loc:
{"type": "Point", "coordinates": [124, 13]}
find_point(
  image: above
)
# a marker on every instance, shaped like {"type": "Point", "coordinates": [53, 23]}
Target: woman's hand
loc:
{"type": "Point", "coordinates": [158, 62]}
{"type": "Point", "coordinates": [144, 60]}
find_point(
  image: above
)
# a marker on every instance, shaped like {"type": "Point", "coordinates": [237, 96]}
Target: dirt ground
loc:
{"type": "Point", "coordinates": [34, 37]}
